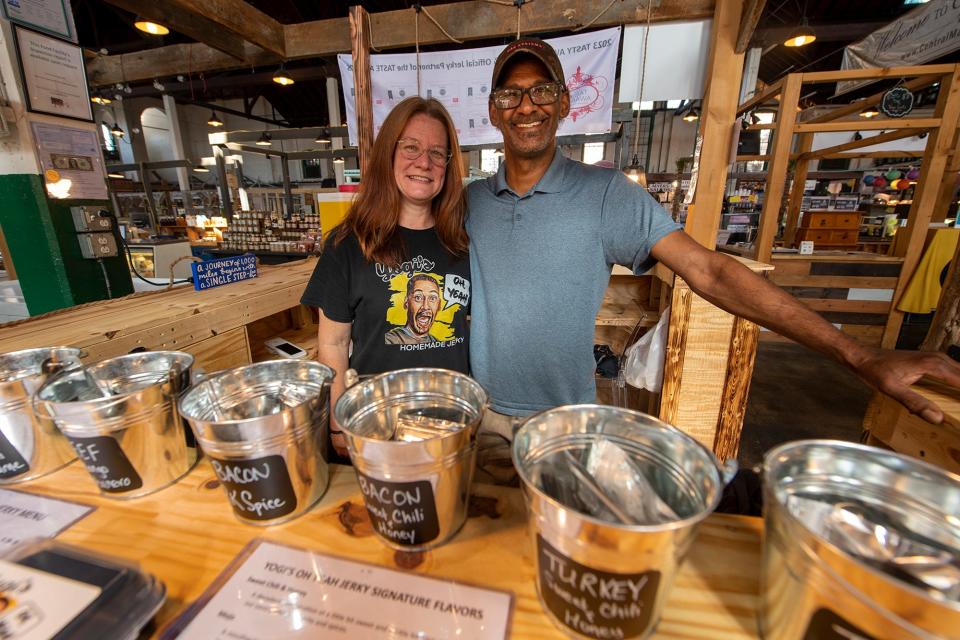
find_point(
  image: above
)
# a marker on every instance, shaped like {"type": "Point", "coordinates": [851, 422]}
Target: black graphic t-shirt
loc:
{"type": "Point", "coordinates": [411, 316]}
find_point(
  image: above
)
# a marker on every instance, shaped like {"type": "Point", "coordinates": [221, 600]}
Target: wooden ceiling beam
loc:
{"type": "Point", "coordinates": [752, 11]}
{"type": "Point", "coordinates": [239, 18]}
{"type": "Point", "coordinates": [477, 19]}
{"type": "Point", "coordinates": [170, 61]}
{"type": "Point", "coordinates": [469, 20]}
{"type": "Point", "coordinates": [189, 24]}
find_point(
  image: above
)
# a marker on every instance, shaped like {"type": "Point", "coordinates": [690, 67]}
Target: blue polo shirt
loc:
{"type": "Point", "coordinates": [541, 263]}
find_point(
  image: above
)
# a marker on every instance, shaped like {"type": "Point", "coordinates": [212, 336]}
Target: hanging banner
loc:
{"type": "Point", "coordinates": [461, 81]}
{"type": "Point", "coordinates": [928, 32]}
{"type": "Point", "coordinates": [686, 45]}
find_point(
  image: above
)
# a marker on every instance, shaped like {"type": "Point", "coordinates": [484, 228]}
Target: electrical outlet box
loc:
{"type": "Point", "coordinates": [97, 245]}
{"type": "Point", "coordinates": [87, 219]}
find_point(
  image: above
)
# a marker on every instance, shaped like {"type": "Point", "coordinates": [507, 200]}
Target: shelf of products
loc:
{"type": "Point", "coordinates": [133, 205]}
{"type": "Point", "coordinates": [268, 231]}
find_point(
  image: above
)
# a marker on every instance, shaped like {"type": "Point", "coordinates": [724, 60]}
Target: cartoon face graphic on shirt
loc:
{"type": "Point", "coordinates": [426, 315]}
{"type": "Point", "coordinates": [422, 304]}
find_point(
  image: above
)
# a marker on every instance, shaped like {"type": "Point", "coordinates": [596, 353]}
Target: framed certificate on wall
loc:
{"type": "Point", "coordinates": [54, 78]}
{"type": "Point", "coordinates": [49, 16]}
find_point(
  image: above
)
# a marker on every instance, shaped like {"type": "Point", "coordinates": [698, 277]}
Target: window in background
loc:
{"type": "Point", "coordinates": [109, 143]}
{"type": "Point", "coordinates": [593, 152]}
{"type": "Point", "coordinates": [765, 118]}
{"type": "Point", "coordinates": [311, 169]}
{"type": "Point", "coordinates": [490, 160]}
{"type": "Point", "coordinates": [674, 104]}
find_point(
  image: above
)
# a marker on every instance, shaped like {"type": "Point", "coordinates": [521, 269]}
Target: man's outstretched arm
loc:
{"type": "Point", "coordinates": [731, 286]}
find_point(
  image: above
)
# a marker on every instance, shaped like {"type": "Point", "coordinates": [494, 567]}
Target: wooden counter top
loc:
{"type": "Point", "coordinates": [186, 535]}
{"type": "Point", "coordinates": [817, 255]}
{"type": "Point", "coordinates": [164, 319]}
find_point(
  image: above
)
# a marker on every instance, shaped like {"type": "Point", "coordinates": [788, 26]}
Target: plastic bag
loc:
{"type": "Point", "coordinates": [643, 367]}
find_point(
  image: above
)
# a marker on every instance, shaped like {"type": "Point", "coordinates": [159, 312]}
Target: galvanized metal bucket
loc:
{"type": "Point", "coordinates": [121, 417]}
{"type": "Point", "coordinates": [412, 440]}
{"type": "Point", "coordinates": [30, 445]}
{"type": "Point", "coordinates": [264, 428]}
{"type": "Point", "coordinates": [859, 543]}
{"type": "Point", "coordinates": [609, 577]}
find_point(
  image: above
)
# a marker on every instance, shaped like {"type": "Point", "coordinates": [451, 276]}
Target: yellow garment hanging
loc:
{"type": "Point", "coordinates": [923, 292]}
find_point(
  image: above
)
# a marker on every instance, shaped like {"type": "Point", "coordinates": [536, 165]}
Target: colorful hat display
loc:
{"type": "Point", "coordinates": [879, 182]}
{"type": "Point", "coordinates": [893, 174]}
{"type": "Point", "coordinates": [868, 180]}
{"type": "Point", "coordinates": [913, 174]}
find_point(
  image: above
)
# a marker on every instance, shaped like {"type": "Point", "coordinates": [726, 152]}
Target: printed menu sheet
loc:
{"type": "Point", "coordinates": [276, 591]}
{"type": "Point", "coordinates": [24, 516]}
{"type": "Point", "coordinates": [36, 605]}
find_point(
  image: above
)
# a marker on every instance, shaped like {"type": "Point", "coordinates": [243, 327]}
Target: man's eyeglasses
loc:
{"type": "Point", "coordinates": [540, 94]}
{"type": "Point", "coordinates": [412, 149]}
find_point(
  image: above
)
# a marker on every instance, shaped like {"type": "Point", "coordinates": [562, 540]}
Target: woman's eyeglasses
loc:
{"type": "Point", "coordinates": [412, 149]}
{"type": "Point", "coordinates": [540, 94]}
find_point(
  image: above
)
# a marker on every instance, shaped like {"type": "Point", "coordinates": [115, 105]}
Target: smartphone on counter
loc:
{"type": "Point", "coordinates": [285, 348]}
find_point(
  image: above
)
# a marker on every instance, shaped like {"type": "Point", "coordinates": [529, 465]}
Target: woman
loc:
{"type": "Point", "coordinates": [394, 277]}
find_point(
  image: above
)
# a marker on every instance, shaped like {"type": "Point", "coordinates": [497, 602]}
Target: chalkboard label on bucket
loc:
{"type": "Point", "coordinates": [826, 625]}
{"type": "Point", "coordinates": [594, 603]}
{"type": "Point", "coordinates": [258, 489]}
{"type": "Point", "coordinates": [12, 463]}
{"type": "Point", "coordinates": [106, 462]}
{"type": "Point", "coordinates": [402, 512]}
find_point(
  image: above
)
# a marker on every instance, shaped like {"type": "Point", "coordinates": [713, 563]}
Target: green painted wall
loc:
{"type": "Point", "coordinates": [43, 245]}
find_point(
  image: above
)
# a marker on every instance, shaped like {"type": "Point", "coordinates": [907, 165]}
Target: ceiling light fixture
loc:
{"type": "Point", "coordinates": [214, 121]}
{"type": "Point", "coordinates": [869, 112]}
{"type": "Point", "coordinates": [636, 172]}
{"type": "Point", "coordinates": [281, 77]}
{"type": "Point", "coordinates": [116, 130]}
{"type": "Point", "coordinates": [264, 140]}
{"type": "Point", "coordinates": [100, 100]}
{"type": "Point", "coordinates": [338, 160]}
{"type": "Point", "coordinates": [201, 170]}
{"type": "Point", "coordinates": [114, 174]}
{"type": "Point", "coordinates": [802, 35]}
{"type": "Point", "coordinates": [153, 28]}
{"type": "Point", "coordinates": [323, 137]}
{"type": "Point", "coordinates": [692, 114]}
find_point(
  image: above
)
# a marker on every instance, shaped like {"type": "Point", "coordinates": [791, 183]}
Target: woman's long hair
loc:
{"type": "Point", "coordinates": [374, 216]}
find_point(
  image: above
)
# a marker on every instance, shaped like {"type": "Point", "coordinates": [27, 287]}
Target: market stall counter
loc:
{"type": "Point", "coordinates": [186, 535]}
{"type": "Point", "coordinates": [222, 327]}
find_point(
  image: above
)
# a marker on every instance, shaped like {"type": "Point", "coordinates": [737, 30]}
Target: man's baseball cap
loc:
{"type": "Point", "coordinates": [530, 46]}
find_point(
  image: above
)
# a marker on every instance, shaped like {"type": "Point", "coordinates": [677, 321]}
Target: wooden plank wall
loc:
{"type": "Point", "coordinates": [854, 294]}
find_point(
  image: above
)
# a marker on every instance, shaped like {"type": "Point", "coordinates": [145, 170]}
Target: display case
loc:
{"type": "Point", "coordinates": [154, 259]}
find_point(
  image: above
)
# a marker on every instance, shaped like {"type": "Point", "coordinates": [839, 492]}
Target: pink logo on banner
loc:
{"type": "Point", "coordinates": [586, 93]}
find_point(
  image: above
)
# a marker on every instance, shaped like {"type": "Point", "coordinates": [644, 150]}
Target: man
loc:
{"type": "Point", "coordinates": [543, 234]}
{"type": "Point", "coordinates": [422, 303]}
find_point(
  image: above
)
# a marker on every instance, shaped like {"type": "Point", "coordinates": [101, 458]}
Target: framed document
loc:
{"type": "Point", "coordinates": [53, 75]}
{"type": "Point", "coordinates": [50, 16]}
{"type": "Point", "coordinates": [71, 160]}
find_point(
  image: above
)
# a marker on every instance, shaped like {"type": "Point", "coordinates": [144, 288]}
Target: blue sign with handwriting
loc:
{"type": "Point", "coordinates": [214, 273]}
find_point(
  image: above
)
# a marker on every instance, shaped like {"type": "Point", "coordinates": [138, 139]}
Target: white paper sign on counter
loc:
{"type": "Point", "coordinates": [24, 516]}
{"type": "Point", "coordinates": [37, 605]}
{"type": "Point", "coordinates": [283, 592]}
